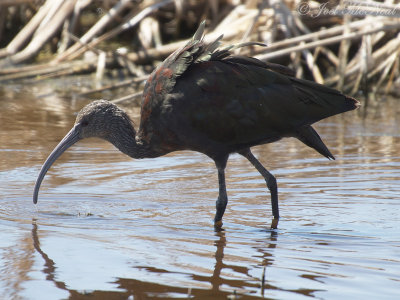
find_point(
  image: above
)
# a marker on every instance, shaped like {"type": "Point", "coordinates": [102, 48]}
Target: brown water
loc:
{"type": "Point", "coordinates": [109, 227]}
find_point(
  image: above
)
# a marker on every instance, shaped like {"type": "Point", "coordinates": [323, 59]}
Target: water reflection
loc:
{"type": "Point", "coordinates": [49, 266]}
{"type": "Point", "coordinates": [110, 227]}
{"type": "Point", "coordinates": [146, 290]}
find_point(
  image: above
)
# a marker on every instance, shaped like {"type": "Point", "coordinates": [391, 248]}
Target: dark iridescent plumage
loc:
{"type": "Point", "coordinates": [206, 99]}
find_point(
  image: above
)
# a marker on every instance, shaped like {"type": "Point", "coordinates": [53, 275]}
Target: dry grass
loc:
{"type": "Point", "coordinates": [347, 44]}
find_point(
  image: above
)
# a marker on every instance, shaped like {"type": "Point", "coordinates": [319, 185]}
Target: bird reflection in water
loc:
{"type": "Point", "coordinates": [221, 286]}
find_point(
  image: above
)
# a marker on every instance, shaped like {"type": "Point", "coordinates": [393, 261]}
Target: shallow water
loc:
{"type": "Point", "coordinates": [109, 227]}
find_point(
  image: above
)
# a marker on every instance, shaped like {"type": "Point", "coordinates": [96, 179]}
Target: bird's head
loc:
{"type": "Point", "coordinates": [101, 119]}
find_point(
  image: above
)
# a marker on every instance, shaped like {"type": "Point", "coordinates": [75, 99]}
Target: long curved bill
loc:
{"type": "Point", "coordinates": [71, 138]}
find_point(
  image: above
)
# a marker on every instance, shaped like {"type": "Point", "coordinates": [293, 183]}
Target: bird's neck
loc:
{"type": "Point", "coordinates": [125, 141]}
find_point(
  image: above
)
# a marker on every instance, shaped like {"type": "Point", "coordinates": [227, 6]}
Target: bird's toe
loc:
{"type": "Point", "coordinates": [274, 224]}
{"type": "Point", "coordinates": [218, 224]}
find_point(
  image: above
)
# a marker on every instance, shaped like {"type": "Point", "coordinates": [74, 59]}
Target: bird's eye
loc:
{"type": "Point", "coordinates": [85, 123]}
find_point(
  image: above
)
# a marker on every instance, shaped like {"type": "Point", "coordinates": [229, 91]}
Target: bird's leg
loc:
{"type": "Point", "coordinates": [271, 184]}
{"type": "Point", "coordinates": [222, 200]}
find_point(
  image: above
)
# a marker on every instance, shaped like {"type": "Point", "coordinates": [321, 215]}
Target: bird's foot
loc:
{"type": "Point", "coordinates": [274, 224]}
{"type": "Point", "coordinates": [218, 224]}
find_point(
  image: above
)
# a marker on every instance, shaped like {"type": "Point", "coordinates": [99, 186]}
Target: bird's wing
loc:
{"type": "Point", "coordinates": [233, 99]}
{"type": "Point", "coordinates": [163, 79]}
{"type": "Point", "coordinates": [241, 102]}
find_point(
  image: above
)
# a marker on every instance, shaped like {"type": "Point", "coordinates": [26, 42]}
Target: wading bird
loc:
{"type": "Point", "coordinates": [206, 99]}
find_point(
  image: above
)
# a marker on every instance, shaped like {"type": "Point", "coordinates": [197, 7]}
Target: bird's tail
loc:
{"type": "Point", "coordinates": [310, 137]}
{"type": "Point", "coordinates": [352, 103]}
{"type": "Point", "coordinates": [322, 101]}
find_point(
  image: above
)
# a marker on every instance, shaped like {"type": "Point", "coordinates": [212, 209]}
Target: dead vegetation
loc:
{"type": "Point", "coordinates": [351, 45]}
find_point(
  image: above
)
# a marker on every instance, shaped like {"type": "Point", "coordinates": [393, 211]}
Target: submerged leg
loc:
{"type": "Point", "coordinates": [271, 184]}
{"type": "Point", "coordinates": [222, 200]}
